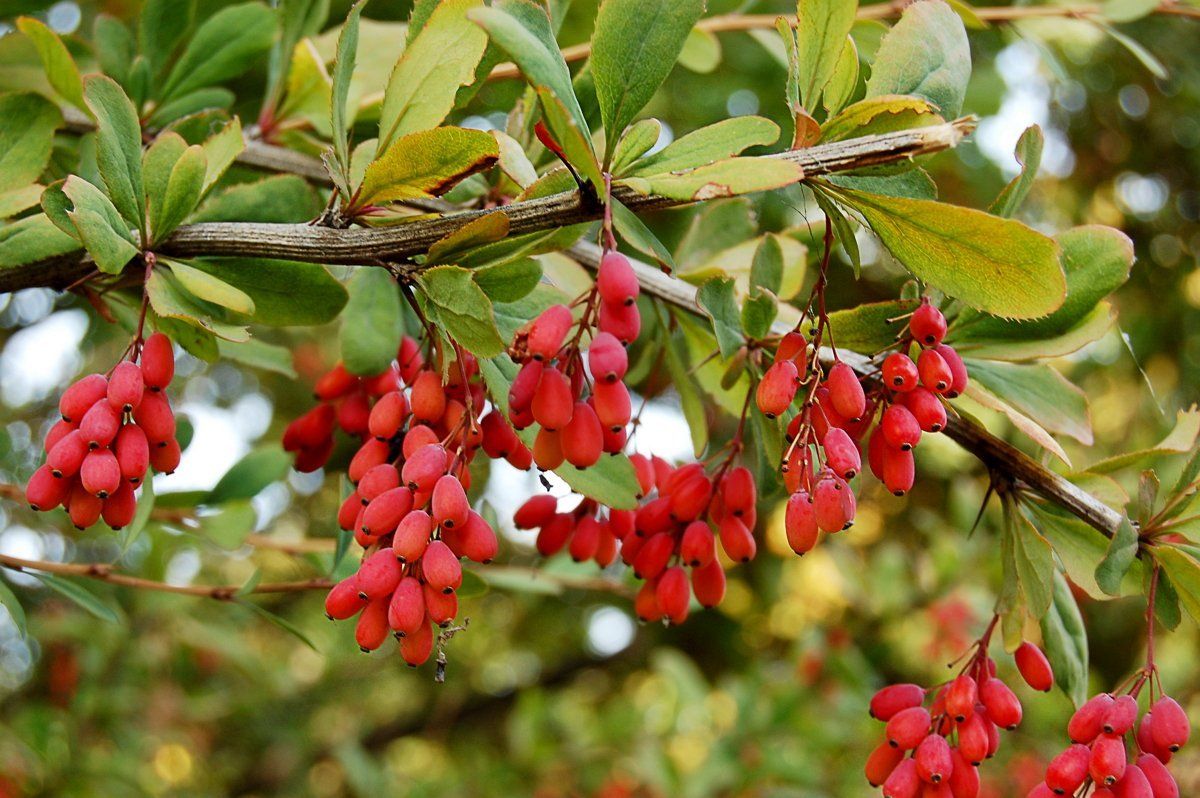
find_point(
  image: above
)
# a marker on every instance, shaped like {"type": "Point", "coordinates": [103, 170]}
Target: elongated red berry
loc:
{"type": "Point", "coordinates": [932, 756]}
{"type": "Point", "coordinates": [583, 438]}
{"type": "Point", "coordinates": [535, 512]}
{"type": "Point", "coordinates": [935, 373]}
{"type": "Point", "coordinates": [1003, 706]}
{"type": "Point", "coordinates": [416, 646]}
{"type": "Point", "coordinates": [553, 401]}
{"type": "Point", "coordinates": [1133, 784]}
{"type": "Point", "coordinates": [1034, 667]}
{"type": "Point", "coordinates": [1108, 761]}
{"type": "Point", "coordinates": [974, 736]}
{"type": "Point", "coordinates": [440, 607]}
{"type": "Point", "coordinates": [100, 474]}
{"type": "Point", "coordinates": [80, 397]}
{"type": "Point", "coordinates": [441, 568]}
{"type": "Point", "coordinates": [449, 503]}
{"type": "Point", "coordinates": [708, 583]}
{"type": "Point", "coordinates": [697, 547]}
{"type": "Point", "coordinates": [476, 539]}
{"type": "Point", "coordinates": [406, 607]}
{"type": "Point", "coordinates": [894, 698]}
{"type": "Point", "coordinates": [100, 425]}
{"type": "Point", "coordinates": [736, 539]}
{"type": "Point", "coordinates": [387, 416]}
{"type": "Point", "coordinates": [964, 778]}
{"type": "Point", "coordinates": [343, 601]}
{"type": "Point", "coordinates": [846, 392]}
{"type": "Point", "coordinates": [409, 359]}
{"type": "Point", "coordinates": [311, 429]}
{"type": "Point", "coordinates": [907, 728]}
{"type": "Point", "coordinates": [1171, 726]}
{"type": "Point", "coordinates": [547, 450]}
{"type": "Point", "coordinates": [377, 481]}
{"type": "Point", "coordinates": [903, 782]}
{"type": "Point", "coordinates": [616, 280]}
{"type": "Point", "coordinates": [1121, 716]}
{"type": "Point", "coordinates": [882, 761]}
{"type": "Point", "coordinates": [133, 453]}
{"type": "Point", "coordinates": [828, 504]}
{"type": "Point", "coordinates": [59, 430]}
{"type": "Point", "coordinates": [158, 362]}
{"type": "Point", "coordinates": [547, 332]}
{"type": "Point", "coordinates": [927, 325]}
{"type": "Point", "coordinates": [800, 523]}
{"type": "Point", "coordinates": [67, 455]}
{"type": "Point", "coordinates": [378, 575]}
{"type": "Point", "coordinates": [424, 467]}
{"type": "Point", "coordinates": [125, 387]}
{"type": "Point", "coordinates": [386, 510]}
{"type": "Point", "coordinates": [958, 370]}
{"type": "Point", "coordinates": [428, 399]}
{"type": "Point", "coordinates": [165, 458]}
{"type": "Point", "coordinates": [1088, 721]}
{"type": "Point", "coordinates": [83, 507]}
{"type": "Point", "coordinates": [372, 627]}
{"type": "Point", "coordinates": [1162, 783]}
{"type": "Point", "coordinates": [900, 372]}
{"type": "Point", "coordinates": [899, 470]}
{"type": "Point", "coordinates": [154, 415]}
{"type": "Point", "coordinates": [1066, 772]}
{"type": "Point", "coordinates": [554, 534]}
{"type": "Point", "coordinates": [673, 594]}
{"type": "Point", "coordinates": [623, 322]}
{"type": "Point", "coordinates": [690, 498]}
{"type": "Point", "coordinates": [960, 698]}
{"type": "Point", "coordinates": [607, 359]}
{"type": "Point", "coordinates": [926, 407]}
{"type": "Point", "coordinates": [334, 384]}
{"type": "Point", "coordinates": [900, 427]}
{"type": "Point", "coordinates": [46, 491]}
{"type": "Point", "coordinates": [612, 404]}
{"type": "Point", "coordinates": [841, 453]}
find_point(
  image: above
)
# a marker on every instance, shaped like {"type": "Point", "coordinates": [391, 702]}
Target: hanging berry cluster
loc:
{"type": "Point", "coordinates": [1099, 757]}
{"type": "Point", "coordinates": [113, 429]}
{"type": "Point", "coordinates": [409, 508]}
{"type": "Point", "coordinates": [937, 750]}
{"type": "Point", "coordinates": [824, 451]}
{"type": "Point", "coordinates": [549, 388]}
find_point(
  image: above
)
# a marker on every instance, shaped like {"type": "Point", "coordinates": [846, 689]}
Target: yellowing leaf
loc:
{"type": "Point", "coordinates": [426, 164]}
{"type": "Point", "coordinates": [727, 178]}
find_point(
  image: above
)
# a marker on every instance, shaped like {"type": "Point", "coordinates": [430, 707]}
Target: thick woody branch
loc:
{"type": "Point", "coordinates": [995, 453]}
{"type": "Point", "coordinates": [370, 246]}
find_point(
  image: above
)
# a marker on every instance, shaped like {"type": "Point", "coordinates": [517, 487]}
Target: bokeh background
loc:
{"type": "Point", "coordinates": [559, 692]}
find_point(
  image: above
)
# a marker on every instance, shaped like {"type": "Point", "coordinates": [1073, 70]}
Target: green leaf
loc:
{"type": "Point", "coordinates": [634, 47]}
{"type": "Point", "coordinates": [285, 293]}
{"type": "Point", "coordinates": [513, 161]}
{"type": "Point", "coordinates": [371, 324]}
{"type": "Point", "coordinates": [926, 54]}
{"type": "Point", "coordinates": [1138, 51]}
{"type": "Point", "coordinates": [1035, 431]}
{"type": "Point", "coordinates": [912, 184]}
{"type": "Point", "coordinates": [225, 45]}
{"type": "Point", "coordinates": [477, 232]}
{"type": "Point", "coordinates": [229, 526]}
{"type": "Point", "coordinates": [611, 481]}
{"type": "Point", "coordinates": [170, 299]}
{"type": "Point", "coordinates": [442, 57]}
{"type": "Point", "coordinates": [463, 308]}
{"type": "Point", "coordinates": [1029, 557]}
{"type": "Point", "coordinates": [1040, 392]}
{"type": "Point", "coordinates": [758, 312]}
{"type": "Point", "coordinates": [997, 265]}
{"type": "Point", "coordinates": [1183, 569]}
{"type": "Point", "coordinates": [260, 355]}
{"type": "Point", "coordinates": [821, 31]}
{"type": "Point", "coordinates": [281, 622]}
{"type": "Point", "coordinates": [1096, 260]}
{"type": "Point", "coordinates": [701, 51]}
{"type": "Point", "coordinates": [717, 300]}
{"type": "Point", "coordinates": [1128, 10]}
{"type": "Point", "coordinates": [220, 150]}
{"type": "Point", "coordinates": [1090, 328]}
{"type": "Point", "coordinates": [1122, 550]}
{"type": "Point", "coordinates": [76, 205]}
{"type": "Point", "coordinates": [727, 178]}
{"type": "Point", "coordinates": [141, 516]}
{"type": "Point", "coordinates": [183, 190]}
{"type": "Point", "coordinates": [675, 356]}
{"type": "Point", "coordinates": [1064, 638]}
{"type": "Point", "coordinates": [1080, 547]}
{"type": "Point", "coordinates": [118, 145]}
{"type": "Point", "coordinates": [889, 113]}
{"type": "Point", "coordinates": [343, 69]}
{"type": "Point", "coordinates": [766, 270]}
{"type": "Point", "coordinates": [844, 80]}
{"type": "Point", "coordinates": [523, 30]}
{"type": "Point", "coordinates": [80, 595]}
{"type": "Point", "coordinates": [61, 70]}
{"type": "Point", "coordinates": [510, 280]}
{"type": "Point", "coordinates": [1181, 438]}
{"type": "Point", "coordinates": [9, 601]}
{"type": "Point", "coordinates": [279, 199]}
{"type": "Point", "coordinates": [248, 476]}
{"type": "Point", "coordinates": [203, 285]}
{"type": "Point", "coordinates": [635, 232]}
{"type": "Point", "coordinates": [1029, 155]}
{"type": "Point", "coordinates": [708, 145]}
{"type": "Point", "coordinates": [574, 140]}
{"type": "Point", "coordinates": [33, 239]}
{"type": "Point", "coordinates": [1166, 598]}
{"type": "Point", "coordinates": [13, 201]}
{"type": "Point", "coordinates": [637, 141]}
{"type": "Point", "coordinates": [161, 26]}
{"type": "Point", "coordinates": [427, 164]}
{"type": "Point", "coordinates": [114, 47]}
{"type": "Point", "coordinates": [865, 328]}
{"type": "Point", "coordinates": [25, 138]}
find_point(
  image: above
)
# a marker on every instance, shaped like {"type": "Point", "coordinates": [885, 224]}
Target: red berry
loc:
{"type": "Point", "coordinates": [673, 594]}
{"type": "Point", "coordinates": [1034, 667]}
{"type": "Point", "coordinates": [698, 544]}
{"type": "Point", "coordinates": [903, 782]}
{"type": "Point", "coordinates": [690, 499]}
{"type": "Point", "coordinates": [1003, 706]}
{"type": "Point", "coordinates": [964, 778]}
{"type": "Point", "coordinates": [476, 539]}
{"type": "Point", "coordinates": [126, 386]}
{"type": "Point", "coordinates": [1133, 784]}
{"type": "Point", "coordinates": [1161, 782]}
{"type": "Point", "coordinates": [100, 425]}
{"type": "Point", "coordinates": [156, 419]}
{"type": "Point", "coordinates": [547, 450]}
{"type": "Point", "coordinates": [737, 540]}
{"type": "Point", "coordinates": [907, 728]}
{"type": "Point", "coordinates": [846, 392]}
{"type": "Point", "coordinates": [80, 397]}
{"type": "Point", "coordinates": [900, 427]}
{"type": "Point", "coordinates": [372, 628]}
{"type": "Point", "coordinates": [417, 645]}
{"type": "Point", "coordinates": [582, 438]}
{"type": "Point", "coordinates": [1121, 716]}
{"type": "Point", "coordinates": [882, 761]}
{"type": "Point", "coordinates": [535, 512]}
{"type": "Point", "coordinates": [739, 491]}
{"type": "Point", "coordinates": [83, 507]}
{"type": "Point", "coordinates": [777, 388]}
{"type": "Point", "coordinates": [900, 372]}
{"type": "Point", "coordinates": [334, 384]}
{"type": "Point", "coordinates": [1107, 763]}
{"type": "Point", "coordinates": [960, 698]}
{"type": "Point", "coordinates": [342, 601]}
{"type": "Point", "coordinates": [894, 698]}
{"type": "Point", "coordinates": [310, 430]}
{"type": "Point", "coordinates": [1066, 772]}
{"type": "Point", "coordinates": [607, 359]}
{"type": "Point", "coordinates": [428, 399]}
{"type": "Point", "coordinates": [547, 331]}
{"type": "Point", "coordinates": [449, 502]}
{"type": "Point", "coordinates": [520, 395]}
{"type": "Point", "coordinates": [899, 470]}
{"type": "Point", "coordinates": [424, 467]}
{"type": "Point", "coordinates": [553, 535]}
{"type": "Point", "coordinates": [67, 455]}
{"type": "Point", "coordinates": [926, 407]}
{"type": "Point", "coordinates": [378, 575]}
{"type": "Point", "coordinates": [133, 453]}
{"type": "Point", "coordinates": [792, 346]}
{"type": "Point", "coordinates": [927, 325]}
{"type": "Point", "coordinates": [412, 536]}
{"type": "Point", "coordinates": [409, 360]}
{"type": "Point", "coordinates": [616, 280]}
{"type": "Point", "coordinates": [387, 416]}
{"type": "Point", "coordinates": [406, 608]}
{"type": "Point", "coordinates": [708, 583]}
{"type": "Point", "coordinates": [612, 404]}
{"type": "Point", "coordinates": [1171, 727]}
{"type": "Point", "coordinates": [60, 429]}
{"type": "Point", "coordinates": [935, 373]}
{"type": "Point", "coordinates": [974, 736]}
{"type": "Point", "coordinates": [100, 474]}
{"type": "Point", "coordinates": [377, 481]}
{"type": "Point", "coordinates": [623, 322]}
{"type": "Point", "coordinates": [828, 504]}
{"type": "Point", "coordinates": [800, 523]}
{"type": "Point", "coordinates": [553, 402]}
{"type": "Point", "coordinates": [653, 557]}
{"type": "Point", "coordinates": [165, 457]}
{"type": "Point", "coordinates": [1088, 721]}
{"type": "Point", "coordinates": [934, 763]}
{"type": "Point", "coordinates": [120, 507]}
{"type": "Point", "coordinates": [349, 510]}
{"type": "Point", "coordinates": [841, 453]}
{"type": "Point", "coordinates": [46, 491]}
{"type": "Point", "coordinates": [158, 362]}
{"type": "Point", "coordinates": [441, 568]}
{"type": "Point", "coordinates": [958, 370]}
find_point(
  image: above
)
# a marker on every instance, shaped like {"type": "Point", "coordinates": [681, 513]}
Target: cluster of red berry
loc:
{"type": "Point", "coordinates": [113, 429]}
{"type": "Point", "coordinates": [1098, 757]}
{"type": "Point", "coordinates": [918, 759]}
{"type": "Point", "coordinates": [825, 437]}
{"type": "Point", "coordinates": [409, 508]}
{"type": "Point", "coordinates": [669, 536]}
{"type": "Point", "coordinates": [549, 387]}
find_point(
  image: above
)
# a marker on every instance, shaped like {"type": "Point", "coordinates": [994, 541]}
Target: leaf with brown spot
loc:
{"type": "Point", "coordinates": [426, 164]}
